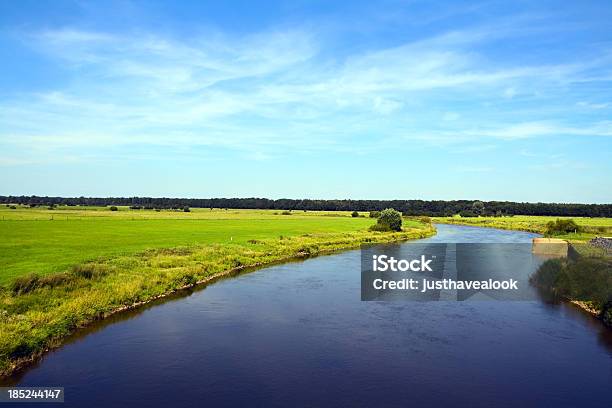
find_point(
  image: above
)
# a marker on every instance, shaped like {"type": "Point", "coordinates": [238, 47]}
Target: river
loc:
{"type": "Point", "coordinates": [297, 334]}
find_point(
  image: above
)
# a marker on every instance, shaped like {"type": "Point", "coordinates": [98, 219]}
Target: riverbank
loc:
{"type": "Point", "coordinates": [591, 227]}
{"type": "Point", "coordinates": [38, 312]}
{"type": "Point", "coordinates": [537, 224]}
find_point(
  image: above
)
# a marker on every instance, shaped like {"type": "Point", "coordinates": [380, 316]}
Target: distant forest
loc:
{"type": "Point", "coordinates": [407, 207]}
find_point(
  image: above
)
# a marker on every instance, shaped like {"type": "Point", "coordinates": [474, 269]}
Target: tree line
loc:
{"type": "Point", "coordinates": [407, 207]}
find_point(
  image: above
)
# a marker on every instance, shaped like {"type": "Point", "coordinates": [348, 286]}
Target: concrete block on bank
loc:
{"type": "Point", "coordinates": [550, 246]}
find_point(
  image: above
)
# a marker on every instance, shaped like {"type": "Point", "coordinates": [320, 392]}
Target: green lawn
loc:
{"type": "Point", "coordinates": [48, 241]}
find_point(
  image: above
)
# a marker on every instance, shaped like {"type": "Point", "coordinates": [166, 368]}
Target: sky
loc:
{"type": "Point", "coordinates": [491, 100]}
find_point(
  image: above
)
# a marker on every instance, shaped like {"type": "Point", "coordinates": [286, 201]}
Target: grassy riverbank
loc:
{"type": "Point", "coordinates": [583, 278]}
{"type": "Point", "coordinates": [64, 274]}
{"type": "Point", "coordinates": [591, 227]}
{"type": "Point", "coordinates": [570, 283]}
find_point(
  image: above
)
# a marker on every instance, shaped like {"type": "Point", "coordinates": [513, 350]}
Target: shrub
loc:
{"type": "Point", "coordinates": [425, 219]}
{"type": "Point", "coordinates": [389, 220]}
{"type": "Point", "coordinates": [354, 214]}
{"type": "Point", "coordinates": [89, 271]}
{"type": "Point", "coordinates": [559, 227]}
{"type": "Point", "coordinates": [54, 280]}
{"type": "Point", "coordinates": [25, 284]}
{"type": "Point", "coordinates": [113, 208]}
{"type": "Point", "coordinates": [186, 209]}
{"type": "Point", "coordinates": [547, 274]}
{"type": "Point", "coordinates": [380, 227]}
{"type": "Point", "coordinates": [585, 279]}
{"type": "Point", "coordinates": [135, 207]}
{"type": "Point", "coordinates": [12, 207]}
{"type": "Point", "coordinates": [286, 212]}
{"type": "Point", "coordinates": [606, 313]}
{"type": "Point", "coordinates": [467, 214]}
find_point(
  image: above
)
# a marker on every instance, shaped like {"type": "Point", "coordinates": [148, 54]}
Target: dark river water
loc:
{"type": "Point", "coordinates": [297, 334]}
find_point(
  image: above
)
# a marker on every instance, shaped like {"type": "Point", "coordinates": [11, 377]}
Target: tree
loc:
{"type": "Point", "coordinates": [478, 207]}
{"type": "Point", "coordinates": [467, 213]}
{"type": "Point", "coordinates": [354, 214]}
{"type": "Point", "coordinates": [561, 226]}
{"type": "Point", "coordinates": [389, 220]}
{"type": "Point", "coordinates": [113, 208]}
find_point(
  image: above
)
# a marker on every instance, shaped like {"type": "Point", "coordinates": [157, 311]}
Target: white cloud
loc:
{"type": "Point", "coordinates": [510, 92]}
{"type": "Point", "coordinates": [450, 116]}
{"type": "Point", "coordinates": [274, 90]}
{"type": "Point", "coordinates": [589, 105]}
{"type": "Point", "coordinates": [474, 169]}
{"type": "Point", "coordinates": [386, 106]}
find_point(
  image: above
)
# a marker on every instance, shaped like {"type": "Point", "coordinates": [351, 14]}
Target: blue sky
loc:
{"type": "Point", "coordinates": [387, 100]}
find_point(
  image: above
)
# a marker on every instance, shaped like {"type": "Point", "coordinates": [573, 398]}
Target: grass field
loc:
{"type": "Point", "coordinates": [48, 241]}
{"type": "Point", "coordinates": [591, 226]}
{"type": "Point", "coordinates": [64, 268]}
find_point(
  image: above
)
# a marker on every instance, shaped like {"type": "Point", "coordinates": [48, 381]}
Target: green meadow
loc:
{"type": "Point", "coordinates": [43, 241]}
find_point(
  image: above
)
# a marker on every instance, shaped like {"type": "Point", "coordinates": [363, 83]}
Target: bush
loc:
{"type": "Point", "coordinates": [186, 209]}
{"type": "Point", "coordinates": [548, 274]}
{"type": "Point", "coordinates": [90, 270]}
{"type": "Point", "coordinates": [389, 220]}
{"type": "Point", "coordinates": [113, 208]}
{"type": "Point", "coordinates": [425, 219]}
{"type": "Point", "coordinates": [374, 214]}
{"type": "Point", "coordinates": [467, 214]}
{"type": "Point", "coordinates": [25, 284]}
{"type": "Point", "coordinates": [606, 314]}
{"type": "Point", "coordinates": [585, 279]}
{"type": "Point", "coordinates": [286, 212]}
{"type": "Point", "coordinates": [354, 214]}
{"type": "Point", "coordinates": [380, 227]}
{"type": "Point", "coordinates": [55, 280]}
{"type": "Point", "coordinates": [560, 227]}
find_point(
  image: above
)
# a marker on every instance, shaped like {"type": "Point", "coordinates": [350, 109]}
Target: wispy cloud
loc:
{"type": "Point", "coordinates": [266, 92]}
